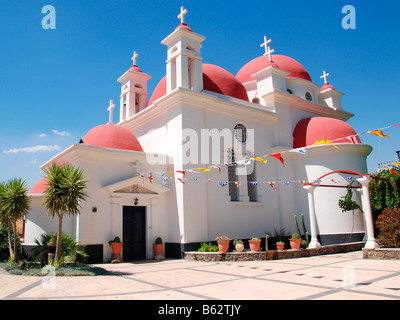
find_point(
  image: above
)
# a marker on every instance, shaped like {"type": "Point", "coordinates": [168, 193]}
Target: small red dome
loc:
{"type": "Point", "coordinates": [327, 86]}
{"type": "Point", "coordinates": [135, 68]}
{"type": "Point", "coordinates": [215, 79]}
{"type": "Point", "coordinates": [282, 62]}
{"type": "Point", "coordinates": [39, 187]}
{"type": "Point", "coordinates": [112, 136]}
{"type": "Point", "coordinates": [310, 130]}
{"type": "Point", "coordinates": [183, 26]}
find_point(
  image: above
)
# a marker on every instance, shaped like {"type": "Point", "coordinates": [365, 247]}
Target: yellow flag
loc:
{"type": "Point", "coordinates": [259, 159]}
{"type": "Point", "coordinates": [170, 172]}
{"type": "Point", "coordinates": [378, 133]}
{"type": "Point", "coordinates": [203, 169]}
{"type": "Point", "coordinates": [325, 141]}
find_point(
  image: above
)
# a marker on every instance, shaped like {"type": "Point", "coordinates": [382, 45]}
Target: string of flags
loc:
{"type": "Point", "coordinates": [181, 174]}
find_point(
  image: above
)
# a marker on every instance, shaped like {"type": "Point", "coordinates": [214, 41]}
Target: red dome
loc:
{"type": "Point", "coordinates": [39, 187]}
{"type": "Point", "coordinates": [112, 136]}
{"type": "Point", "coordinates": [135, 68]}
{"type": "Point", "coordinates": [215, 79]}
{"type": "Point", "coordinates": [282, 62]}
{"type": "Point", "coordinates": [327, 86]}
{"type": "Point", "coordinates": [184, 26]}
{"type": "Point", "coordinates": [310, 130]}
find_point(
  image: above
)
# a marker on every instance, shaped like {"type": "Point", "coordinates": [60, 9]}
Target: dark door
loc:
{"type": "Point", "coordinates": [134, 234]}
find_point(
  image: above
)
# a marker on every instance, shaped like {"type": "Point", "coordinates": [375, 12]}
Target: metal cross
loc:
{"type": "Point", "coordinates": [110, 109]}
{"type": "Point", "coordinates": [135, 55]}
{"type": "Point", "coordinates": [325, 75]}
{"type": "Point", "coordinates": [182, 14]}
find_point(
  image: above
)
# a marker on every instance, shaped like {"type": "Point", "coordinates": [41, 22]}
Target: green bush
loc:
{"type": "Point", "coordinates": [4, 251]}
{"type": "Point", "coordinates": [208, 247]}
{"type": "Point", "coordinates": [388, 224]}
{"type": "Point", "coordinates": [71, 251]}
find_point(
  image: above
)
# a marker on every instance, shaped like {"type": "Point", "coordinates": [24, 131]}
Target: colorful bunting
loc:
{"type": "Point", "coordinates": [279, 157]}
{"type": "Point", "coordinates": [179, 179]}
{"type": "Point", "coordinates": [325, 141]}
{"type": "Point", "coordinates": [394, 172]}
{"type": "Point", "coordinates": [151, 178]}
{"type": "Point", "coordinates": [183, 172]}
{"type": "Point", "coordinates": [378, 133]}
{"type": "Point", "coordinates": [164, 180]}
{"type": "Point", "coordinates": [272, 184]}
{"type": "Point", "coordinates": [223, 184]}
{"type": "Point", "coordinates": [237, 184]}
{"type": "Point", "coordinates": [260, 159]}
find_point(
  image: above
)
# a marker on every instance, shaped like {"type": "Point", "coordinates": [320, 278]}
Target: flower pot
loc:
{"type": "Point", "coordinates": [158, 249]}
{"type": "Point", "coordinates": [116, 248]}
{"type": "Point", "coordinates": [254, 245]}
{"type": "Point", "coordinates": [239, 247]}
{"type": "Point", "coordinates": [280, 246]}
{"type": "Point", "coordinates": [223, 247]}
{"type": "Point", "coordinates": [295, 243]}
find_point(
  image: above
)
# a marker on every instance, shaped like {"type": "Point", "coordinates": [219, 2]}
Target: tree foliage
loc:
{"type": "Point", "coordinates": [66, 186]}
{"type": "Point", "coordinates": [385, 193]}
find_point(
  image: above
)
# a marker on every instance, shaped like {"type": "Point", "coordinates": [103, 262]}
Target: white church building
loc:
{"type": "Point", "coordinates": [208, 153]}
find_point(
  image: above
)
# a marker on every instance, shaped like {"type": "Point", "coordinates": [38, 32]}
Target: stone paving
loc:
{"type": "Point", "coordinates": [344, 276]}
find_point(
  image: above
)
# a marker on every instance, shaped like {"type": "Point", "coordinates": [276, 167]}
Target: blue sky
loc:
{"type": "Point", "coordinates": [55, 85]}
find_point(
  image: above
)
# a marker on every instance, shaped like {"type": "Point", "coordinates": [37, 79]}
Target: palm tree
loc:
{"type": "Point", "coordinates": [4, 219]}
{"type": "Point", "coordinates": [66, 186]}
{"type": "Point", "coordinates": [14, 203]}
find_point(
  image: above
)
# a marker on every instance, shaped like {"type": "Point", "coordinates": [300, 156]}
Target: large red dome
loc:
{"type": "Point", "coordinates": [310, 130]}
{"type": "Point", "coordinates": [112, 136]}
{"type": "Point", "coordinates": [282, 62]}
{"type": "Point", "coordinates": [215, 79]}
{"type": "Point", "coordinates": [39, 187]}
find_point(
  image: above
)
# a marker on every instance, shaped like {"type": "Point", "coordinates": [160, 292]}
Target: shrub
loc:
{"type": "Point", "coordinates": [208, 247]}
{"type": "Point", "coordinates": [388, 224]}
{"type": "Point", "coordinates": [71, 251]}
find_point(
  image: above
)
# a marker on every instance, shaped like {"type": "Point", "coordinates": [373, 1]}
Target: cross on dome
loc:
{"type": "Point", "coordinates": [268, 50]}
{"type": "Point", "coordinates": [182, 15]}
{"type": "Point", "coordinates": [110, 110]}
{"type": "Point", "coordinates": [134, 57]}
{"type": "Point", "coordinates": [325, 75]}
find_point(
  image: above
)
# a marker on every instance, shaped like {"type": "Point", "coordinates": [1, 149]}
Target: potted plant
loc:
{"type": "Point", "coordinates": [223, 243]}
{"type": "Point", "coordinates": [239, 246]}
{"type": "Point", "coordinates": [254, 244]}
{"type": "Point", "coordinates": [158, 247]}
{"type": "Point", "coordinates": [116, 245]}
{"type": "Point", "coordinates": [295, 241]}
{"type": "Point", "coordinates": [280, 245]}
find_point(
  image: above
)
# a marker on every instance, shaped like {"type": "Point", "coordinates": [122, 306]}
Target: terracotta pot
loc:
{"type": "Point", "coordinates": [239, 247]}
{"type": "Point", "coordinates": [280, 246]}
{"type": "Point", "coordinates": [158, 249]}
{"type": "Point", "coordinates": [254, 245]}
{"type": "Point", "coordinates": [295, 243]}
{"type": "Point", "coordinates": [116, 248]}
{"type": "Point", "coordinates": [223, 246]}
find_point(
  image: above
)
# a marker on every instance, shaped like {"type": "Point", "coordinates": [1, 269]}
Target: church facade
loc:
{"type": "Point", "coordinates": [208, 153]}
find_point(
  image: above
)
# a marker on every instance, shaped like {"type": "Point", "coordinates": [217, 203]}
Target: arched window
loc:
{"type": "Point", "coordinates": [232, 176]}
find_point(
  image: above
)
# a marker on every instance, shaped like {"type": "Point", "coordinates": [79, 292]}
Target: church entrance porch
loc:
{"type": "Point", "coordinates": [134, 232]}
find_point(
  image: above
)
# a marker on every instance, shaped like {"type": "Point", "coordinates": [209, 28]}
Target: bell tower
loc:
{"type": "Point", "coordinates": [134, 95]}
{"type": "Point", "coordinates": [184, 61]}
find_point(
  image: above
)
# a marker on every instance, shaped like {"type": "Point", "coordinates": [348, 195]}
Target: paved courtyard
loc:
{"type": "Point", "coordinates": [344, 276]}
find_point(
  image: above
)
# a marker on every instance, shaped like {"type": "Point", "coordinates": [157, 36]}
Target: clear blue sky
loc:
{"type": "Point", "coordinates": [55, 85]}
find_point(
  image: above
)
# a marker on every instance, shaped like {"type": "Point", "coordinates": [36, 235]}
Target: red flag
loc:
{"type": "Point", "coordinates": [279, 157]}
{"type": "Point", "coordinates": [237, 184]}
{"type": "Point", "coordinates": [183, 172]}
{"type": "Point", "coordinates": [394, 172]}
{"type": "Point", "coordinates": [272, 184]}
{"type": "Point", "coordinates": [151, 178]}
{"type": "Point", "coordinates": [180, 180]}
